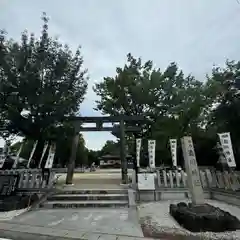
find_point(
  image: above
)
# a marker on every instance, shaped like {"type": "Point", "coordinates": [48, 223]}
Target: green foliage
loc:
{"type": "Point", "coordinates": [110, 147]}
{"type": "Point", "coordinates": [41, 77]}
{"type": "Point", "coordinates": [226, 114]}
{"type": "Point", "coordinates": [175, 104]}
{"type": "Point", "coordinates": [93, 156]}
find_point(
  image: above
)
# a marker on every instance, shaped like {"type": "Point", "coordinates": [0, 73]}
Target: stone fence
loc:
{"type": "Point", "coordinates": [25, 180]}
{"type": "Point", "coordinates": [209, 179]}
{"type": "Point", "coordinates": [172, 185]}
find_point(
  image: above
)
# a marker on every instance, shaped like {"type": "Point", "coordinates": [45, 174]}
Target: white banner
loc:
{"type": "Point", "coordinates": [51, 155]}
{"type": "Point", "coordinates": [138, 150]}
{"type": "Point", "coordinates": [32, 152]}
{"type": "Point", "coordinates": [43, 153]}
{"type": "Point", "coordinates": [4, 154]}
{"type": "Point", "coordinates": [151, 153]}
{"type": "Point", "coordinates": [226, 144]}
{"type": "Point", "coordinates": [173, 147]}
{"type": "Point", "coordinates": [2, 159]}
{"type": "Point", "coordinates": [17, 156]}
{"type": "Point", "coordinates": [6, 148]}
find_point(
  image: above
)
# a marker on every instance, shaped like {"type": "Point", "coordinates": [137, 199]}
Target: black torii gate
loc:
{"type": "Point", "coordinates": [99, 121]}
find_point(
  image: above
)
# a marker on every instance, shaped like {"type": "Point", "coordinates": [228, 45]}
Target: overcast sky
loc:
{"type": "Point", "coordinates": [194, 33]}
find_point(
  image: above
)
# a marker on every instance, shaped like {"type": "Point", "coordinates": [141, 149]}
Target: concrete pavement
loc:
{"type": "Point", "coordinates": [21, 232]}
{"type": "Point", "coordinates": [85, 223]}
{"type": "Point", "coordinates": [76, 224]}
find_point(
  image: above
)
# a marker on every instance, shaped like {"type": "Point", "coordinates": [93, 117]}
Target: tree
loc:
{"type": "Point", "coordinates": [225, 116]}
{"type": "Point", "coordinates": [93, 156]}
{"type": "Point", "coordinates": [110, 147]}
{"type": "Point", "coordinates": [47, 80]}
{"type": "Point", "coordinates": [174, 104]}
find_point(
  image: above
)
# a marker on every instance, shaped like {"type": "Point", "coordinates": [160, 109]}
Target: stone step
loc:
{"type": "Point", "coordinates": [93, 191]}
{"type": "Point", "coordinates": [70, 197]}
{"type": "Point", "coordinates": [81, 204]}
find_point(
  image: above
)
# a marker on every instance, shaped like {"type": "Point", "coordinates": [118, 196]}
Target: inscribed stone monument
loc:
{"type": "Point", "coordinates": [191, 166]}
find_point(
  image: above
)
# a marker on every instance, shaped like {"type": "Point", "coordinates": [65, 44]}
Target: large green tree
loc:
{"type": "Point", "coordinates": [225, 115]}
{"type": "Point", "coordinates": [110, 147]}
{"type": "Point", "coordinates": [175, 104]}
{"type": "Point", "coordinates": [40, 77]}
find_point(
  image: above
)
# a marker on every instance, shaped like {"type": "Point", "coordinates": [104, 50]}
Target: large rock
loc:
{"type": "Point", "coordinates": [205, 217]}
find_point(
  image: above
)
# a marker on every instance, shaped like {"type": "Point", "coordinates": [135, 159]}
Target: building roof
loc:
{"type": "Point", "coordinates": [112, 156]}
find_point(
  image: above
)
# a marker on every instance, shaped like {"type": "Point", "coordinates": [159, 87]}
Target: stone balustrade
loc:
{"type": "Point", "coordinates": [210, 178]}
{"type": "Point", "coordinates": [25, 179]}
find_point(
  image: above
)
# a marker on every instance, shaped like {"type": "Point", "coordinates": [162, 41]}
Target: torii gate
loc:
{"type": "Point", "coordinates": [121, 119]}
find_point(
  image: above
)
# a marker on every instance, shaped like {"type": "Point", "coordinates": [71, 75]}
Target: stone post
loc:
{"type": "Point", "coordinates": [191, 167]}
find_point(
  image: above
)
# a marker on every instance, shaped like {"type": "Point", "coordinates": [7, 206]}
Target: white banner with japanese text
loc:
{"type": "Point", "coordinates": [2, 159]}
{"type": "Point", "coordinates": [4, 154]}
{"type": "Point", "coordinates": [32, 152]}
{"type": "Point", "coordinates": [138, 150]}
{"type": "Point", "coordinates": [18, 156]}
{"type": "Point", "coordinates": [151, 153]}
{"type": "Point", "coordinates": [226, 144]}
{"type": "Point", "coordinates": [43, 153]}
{"type": "Point", "coordinates": [173, 147]}
{"type": "Point", "coordinates": [51, 155]}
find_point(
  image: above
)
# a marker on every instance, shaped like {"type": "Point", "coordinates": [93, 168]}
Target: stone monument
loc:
{"type": "Point", "coordinates": [193, 177]}
{"type": "Point", "coordinates": [199, 216]}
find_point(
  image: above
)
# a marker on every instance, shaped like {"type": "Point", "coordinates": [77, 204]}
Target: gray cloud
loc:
{"type": "Point", "coordinates": [195, 34]}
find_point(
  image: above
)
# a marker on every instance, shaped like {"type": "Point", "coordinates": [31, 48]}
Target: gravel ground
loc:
{"type": "Point", "coordinates": [157, 223]}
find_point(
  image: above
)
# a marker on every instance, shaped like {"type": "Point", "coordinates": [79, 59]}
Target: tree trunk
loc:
{"type": "Point", "coordinates": [71, 164]}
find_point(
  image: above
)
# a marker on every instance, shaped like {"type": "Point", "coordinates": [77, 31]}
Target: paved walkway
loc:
{"type": "Point", "coordinates": [77, 224]}
{"type": "Point", "coordinates": [87, 223]}
{"type": "Point", "coordinates": [106, 177]}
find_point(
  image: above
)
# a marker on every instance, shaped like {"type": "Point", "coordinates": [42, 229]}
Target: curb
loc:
{"type": "Point", "coordinates": [15, 235]}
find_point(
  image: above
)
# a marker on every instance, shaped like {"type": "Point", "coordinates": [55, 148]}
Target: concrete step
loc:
{"type": "Point", "coordinates": [81, 204]}
{"type": "Point", "coordinates": [95, 179]}
{"type": "Point", "coordinates": [95, 196]}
